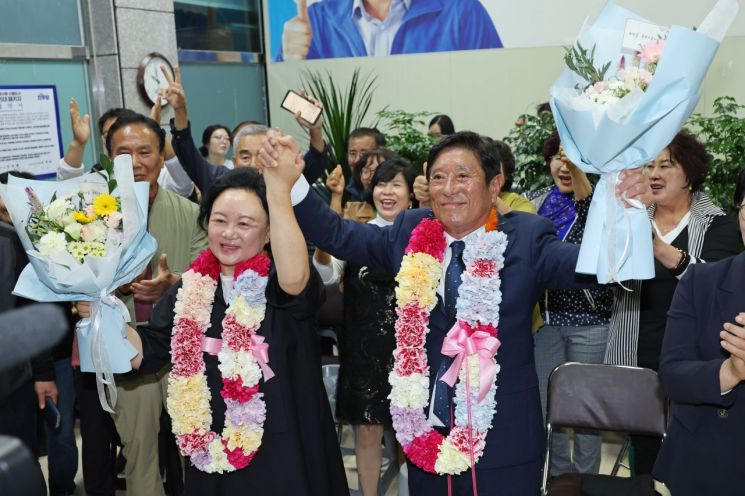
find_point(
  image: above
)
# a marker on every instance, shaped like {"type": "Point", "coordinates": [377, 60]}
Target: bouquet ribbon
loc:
{"type": "Point", "coordinates": [99, 356]}
{"type": "Point", "coordinates": [460, 343]}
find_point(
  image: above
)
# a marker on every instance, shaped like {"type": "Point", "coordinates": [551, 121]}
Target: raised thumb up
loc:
{"type": "Point", "coordinates": [297, 35]}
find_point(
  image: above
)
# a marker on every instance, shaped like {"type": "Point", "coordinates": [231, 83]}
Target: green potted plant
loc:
{"type": "Point", "coordinates": [526, 140]}
{"type": "Point", "coordinates": [405, 136]}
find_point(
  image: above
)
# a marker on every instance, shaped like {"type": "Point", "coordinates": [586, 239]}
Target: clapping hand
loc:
{"type": "Point", "coordinates": [733, 341]}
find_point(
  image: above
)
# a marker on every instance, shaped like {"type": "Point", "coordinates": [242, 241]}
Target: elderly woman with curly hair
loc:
{"type": "Point", "coordinates": [688, 228]}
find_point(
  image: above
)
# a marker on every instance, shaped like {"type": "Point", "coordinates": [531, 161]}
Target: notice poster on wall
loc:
{"type": "Point", "coordinates": [30, 138]}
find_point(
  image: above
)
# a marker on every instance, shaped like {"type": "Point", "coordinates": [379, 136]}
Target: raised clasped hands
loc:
{"type": "Point", "coordinates": [281, 161]}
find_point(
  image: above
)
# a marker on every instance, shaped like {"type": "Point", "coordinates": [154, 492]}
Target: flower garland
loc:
{"type": "Point", "coordinates": [242, 362]}
{"type": "Point", "coordinates": [477, 316]}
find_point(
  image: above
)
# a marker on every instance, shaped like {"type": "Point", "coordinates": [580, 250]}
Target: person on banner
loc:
{"type": "Point", "coordinates": [688, 229]}
{"type": "Point", "coordinates": [357, 28]}
{"type": "Point", "coordinates": [245, 393]}
{"type": "Point", "coordinates": [702, 370]}
{"type": "Point", "coordinates": [451, 262]}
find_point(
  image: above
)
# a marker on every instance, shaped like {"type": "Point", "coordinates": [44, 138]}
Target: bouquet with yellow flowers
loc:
{"type": "Point", "coordinates": [85, 237]}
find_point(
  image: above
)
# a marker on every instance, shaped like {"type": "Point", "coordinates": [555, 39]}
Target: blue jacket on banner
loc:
{"type": "Point", "coordinates": [427, 26]}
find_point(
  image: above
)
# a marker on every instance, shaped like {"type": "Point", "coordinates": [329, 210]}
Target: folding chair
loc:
{"type": "Point", "coordinates": [609, 398]}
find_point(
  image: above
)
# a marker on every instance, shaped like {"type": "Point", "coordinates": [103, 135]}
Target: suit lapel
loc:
{"type": "Point", "coordinates": [731, 301]}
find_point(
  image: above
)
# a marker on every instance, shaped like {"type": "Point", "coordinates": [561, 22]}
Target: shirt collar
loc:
{"type": "Point", "coordinates": [358, 7]}
{"type": "Point", "coordinates": [449, 239]}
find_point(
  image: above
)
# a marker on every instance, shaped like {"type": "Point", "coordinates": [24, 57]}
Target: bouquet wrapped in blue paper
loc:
{"type": "Point", "coordinates": [85, 237]}
{"type": "Point", "coordinates": [629, 87]}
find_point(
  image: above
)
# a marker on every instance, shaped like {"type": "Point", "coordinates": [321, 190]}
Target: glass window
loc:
{"type": "Point", "coordinates": [41, 22]}
{"type": "Point", "coordinates": [224, 25]}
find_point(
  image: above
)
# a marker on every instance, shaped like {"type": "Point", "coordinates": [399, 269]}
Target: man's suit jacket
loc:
{"type": "Point", "coordinates": [534, 260]}
{"type": "Point", "coordinates": [704, 448]}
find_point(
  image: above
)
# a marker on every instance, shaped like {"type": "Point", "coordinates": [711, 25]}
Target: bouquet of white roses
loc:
{"type": "Point", "coordinates": [85, 237]}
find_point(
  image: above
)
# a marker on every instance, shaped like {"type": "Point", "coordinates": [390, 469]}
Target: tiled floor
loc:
{"type": "Point", "coordinates": [611, 447]}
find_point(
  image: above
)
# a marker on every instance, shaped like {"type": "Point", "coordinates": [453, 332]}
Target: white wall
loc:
{"type": "Point", "coordinates": [485, 90]}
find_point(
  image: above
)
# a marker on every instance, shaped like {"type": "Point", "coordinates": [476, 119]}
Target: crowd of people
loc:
{"type": "Point", "coordinates": [233, 262]}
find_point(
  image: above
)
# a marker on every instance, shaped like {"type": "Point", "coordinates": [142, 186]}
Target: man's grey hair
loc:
{"type": "Point", "coordinates": [250, 130]}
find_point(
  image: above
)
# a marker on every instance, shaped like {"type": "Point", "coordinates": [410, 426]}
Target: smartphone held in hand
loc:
{"type": "Point", "coordinates": [294, 102]}
{"type": "Point", "coordinates": [51, 414]}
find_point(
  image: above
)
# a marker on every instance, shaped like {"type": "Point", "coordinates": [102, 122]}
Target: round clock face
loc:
{"type": "Point", "coordinates": [151, 78]}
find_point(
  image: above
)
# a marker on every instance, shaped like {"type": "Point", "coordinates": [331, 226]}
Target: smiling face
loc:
{"type": "Point", "coordinates": [219, 142]}
{"type": "Point", "coordinates": [667, 179]}
{"type": "Point", "coordinates": [238, 228]}
{"type": "Point", "coordinates": [141, 142]}
{"type": "Point", "coordinates": [246, 153]}
{"type": "Point", "coordinates": [560, 172]}
{"type": "Point", "coordinates": [460, 197]}
{"type": "Point", "coordinates": [392, 197]}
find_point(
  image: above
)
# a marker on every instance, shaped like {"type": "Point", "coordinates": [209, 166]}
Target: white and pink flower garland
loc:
{"type": "Point", "coordinates": [472, 342]}
{"type": "Point", "coordinates": [242, 362]}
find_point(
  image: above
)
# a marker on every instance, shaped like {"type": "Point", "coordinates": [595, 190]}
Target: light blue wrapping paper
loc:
{"type": "Point", "coordinates": [607, 140]}
{"type": "Point", "coordinates": [103, 347]}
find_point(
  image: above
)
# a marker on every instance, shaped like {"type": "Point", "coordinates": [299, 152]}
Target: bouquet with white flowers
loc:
{"type": "Point", "coordinates": [85, 237]}
{"type": "Point", "coordinates": [608, 122]}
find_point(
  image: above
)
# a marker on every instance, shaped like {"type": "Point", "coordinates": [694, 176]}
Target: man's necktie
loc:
{"type": "Point", "coordinates": [443, 392]}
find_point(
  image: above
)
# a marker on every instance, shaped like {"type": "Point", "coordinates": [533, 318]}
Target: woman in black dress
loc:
{"type": "Point", "coordinates": [268, 427]}
{"type": "Point", "coordinates": [367, 340]}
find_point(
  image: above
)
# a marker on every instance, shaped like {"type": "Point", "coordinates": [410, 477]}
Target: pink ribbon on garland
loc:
{"type": "Point", "coordinates": [459, 343]}
{"type": "Point", "coordinates": [259, 349]}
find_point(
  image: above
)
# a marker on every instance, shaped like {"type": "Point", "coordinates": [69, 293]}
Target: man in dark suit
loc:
{"type": "Point", "coordinates": [702, 369]}
{"type": "Point", "coordinates": [464, 179]}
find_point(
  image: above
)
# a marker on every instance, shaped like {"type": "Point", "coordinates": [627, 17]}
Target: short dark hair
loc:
{"type": "Point", "coordinates": [21, 174]}
{"type": "Point", "coordinates": [387, 170]}
{"type": "Point", "coordinates": [543, 107]}
{"type": "Point", "coordinates": [487, 154]}
{"type": "Point", "coordinates": [240, 178]}
{"type": "Point", "coordinates": [243, 124]}
{"type": "Point", "coordinates": [133, 118]}
{"type": "Point", "coordinates": [507, 161]}
{"type": "Point", "coordinates": [368, 131]}
{"type": "Point", "coordinates": [445, 123]}
{"type": "Point", "coordinates": [207, 136]}
{"type": "Point", "coordinates": [692, 157]}
{"type": "Point", "coordinates": [382, 154]}
{"type": "Point", "coordinates": [112, 113]}
{"type": "Point", "coordinates": [551, 147]}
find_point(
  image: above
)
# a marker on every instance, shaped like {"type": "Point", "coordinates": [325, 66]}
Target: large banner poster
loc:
{"type": "Point", "coordinates": [30, 138]}
{"type": "Point", "coordinates": [321, 29]}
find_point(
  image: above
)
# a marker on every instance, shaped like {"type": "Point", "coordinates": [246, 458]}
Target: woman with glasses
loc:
{"type": "Point", "coordinates": [576, 321]}
{"type": "Point", "coordinates": [702, 369]}
{"type": "Point", "coordinates": [216, 145]}
{"type": "Point", "coordinates": [687, 229]}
